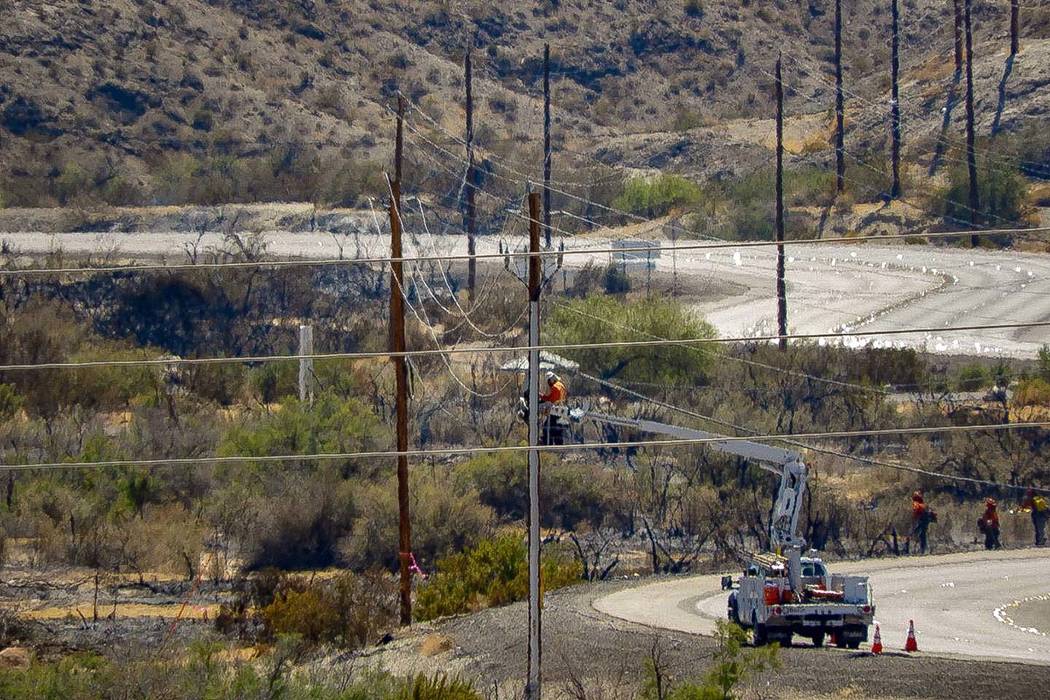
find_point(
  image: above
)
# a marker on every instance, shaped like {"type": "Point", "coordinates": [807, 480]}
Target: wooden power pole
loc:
{"type": "Point", "coordinates": [397, 346]}
{"type": "Point", "coordinates": [895, 105]}
{"type": "Point", "coordinates": [1015, 27]}
{"type": "Point", "coordinates": [958, 37]}
{"type": "Point", "coordinates": [547, 145]}
{"type": "Point", "coordinates": [971, 152]}
{"type": "Point", "coordinates": [470, 210]}
{"type": "Point", "coordinates": [840, 106]}
{"type": "Point", "coordinates": [532, 687]}
{"type": "Point", "coordinates": [781, 285]}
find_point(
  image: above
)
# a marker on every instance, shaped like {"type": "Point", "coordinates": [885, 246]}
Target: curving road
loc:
{"type": "Point", "coordinates": [963, 604]}
{"type": "Point", "coordinates": [831, 288]}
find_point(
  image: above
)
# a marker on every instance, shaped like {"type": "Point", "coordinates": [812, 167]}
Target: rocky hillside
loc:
{"type": "Point", "coordinates": [161, 101]}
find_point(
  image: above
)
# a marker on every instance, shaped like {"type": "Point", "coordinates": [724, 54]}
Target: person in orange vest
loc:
{"type": "Point", "coordinates": [556, 392]}
{"type": "Point", "coordinates": [1040, 509]}
{"type": "Point", "coordinates": [921, 517]}
{"type": "Point", "coordinates": [989, 525]}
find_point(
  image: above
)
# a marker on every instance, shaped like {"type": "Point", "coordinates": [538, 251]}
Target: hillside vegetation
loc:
{"type": "Point", "coordinates": [229, 101]}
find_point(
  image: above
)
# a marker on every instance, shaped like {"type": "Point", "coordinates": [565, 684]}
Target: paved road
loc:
{"type": "Point", "coordinates": [830, 287]}
{"type": "Point", "coordinates": [962, 603]}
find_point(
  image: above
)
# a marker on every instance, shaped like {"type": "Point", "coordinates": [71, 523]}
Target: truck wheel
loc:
{"type": "Point", "coordinates": [758, 632]}
{"type": "Point", "coordinates": [758, 636]}
{"type": "Point", "coordinates": [818, 639]}
{"type": "Point", "coordinates": [854, 644]}
{"type": "Point", "coordinates": [840, 639]}
{"type": "Point", "coordinates": [785, 640]}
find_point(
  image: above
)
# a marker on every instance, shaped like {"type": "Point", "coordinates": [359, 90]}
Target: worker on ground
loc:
{"type": "Point", "coordinates": [988, 524]}
{"type": "Point", "coordinates": [1039, 506]}
{"type": "Point", "coordinates": [921, 517]}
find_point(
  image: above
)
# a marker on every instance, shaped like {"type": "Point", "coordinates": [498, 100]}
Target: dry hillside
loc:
{"type": "Point", "coordinates": [109, 100]}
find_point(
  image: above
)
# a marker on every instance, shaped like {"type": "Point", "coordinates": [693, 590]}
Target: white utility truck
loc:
{"type": "Point", "coordinates": [780, 594]}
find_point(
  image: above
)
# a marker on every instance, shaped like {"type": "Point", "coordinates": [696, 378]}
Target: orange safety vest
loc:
{"type": "Point", "coordinates": [556, 394]}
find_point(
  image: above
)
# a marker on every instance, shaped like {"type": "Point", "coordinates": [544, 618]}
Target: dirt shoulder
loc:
{"type": "Point", "coordinates": [584, 647]}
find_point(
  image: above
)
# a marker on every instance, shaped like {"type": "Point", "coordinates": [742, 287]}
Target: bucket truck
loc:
{"type": "Point", "coordinates": [782, 593]}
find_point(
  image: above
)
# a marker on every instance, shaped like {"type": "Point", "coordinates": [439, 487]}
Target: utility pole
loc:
{"type": "Point", "coordinates": [781, 286]}
{"type": "Point", "coordinates": [547, 145]}
{"type": "Point", "coordinates": [1015, 27]}
{"type": "Point", "coordinates": [971, 152]}
{"type": "Point", "coordinates": [958, 37]}
{"type": "Point", "coordinates": [306, 364]}
{"type": "Point", "coordinates": [532, 687]}
{"type": "Point", "coordinates": [397, 346]}
{"type": "Point", "coordinates": [895, 104]}
{"type": "Point", "coordinates": [840, 105]}
{"type": "Point", "coordinates": [470, 211]}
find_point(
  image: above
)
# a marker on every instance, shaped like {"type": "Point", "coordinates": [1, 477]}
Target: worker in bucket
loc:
{"type": "Point", "coordinates": [1039, 507]}
{"type": "Point", "coordinates": [921, 517]}
{"type": "Point", "coordinates": [556, 392]}
{"type": "Point", "coordinates": [988, 524]}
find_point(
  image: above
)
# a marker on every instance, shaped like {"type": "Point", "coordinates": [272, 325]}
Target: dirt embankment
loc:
{"type": "Point", "coordinates": [292, 217]}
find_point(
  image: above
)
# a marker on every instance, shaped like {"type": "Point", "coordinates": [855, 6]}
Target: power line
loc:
{"type": "Point", "coordinates": [328, 262]}
{"type": "Point", "coordinates": [466, 451]}
{"type": "Point", "coordinates": [822, 450]}
{"type": "Point", "coordinates": [683, 342]}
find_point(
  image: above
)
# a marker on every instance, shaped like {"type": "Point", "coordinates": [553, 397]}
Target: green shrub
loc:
{"type": "Point", "coordinates": [350, 611]}
{"type": "Point", "coordinates": [10, 402]}
{"type": "Point", "coordinates": [1002, 196]}
{"type": "Point", "coordinates": [573, 493]}
{"type": "Point", "coordinates": [208, 673]}
{"type": "Point", "coordinates": [694, 8]}
{"type": "Point", "coordinates": [733, 665]}
{"type": "Point", "coordinates": [1032, 392]}
{"type": "Point", "coordinates": [1044, 362]}
{"type": "Point", "coordinates": [615, 280]}
{"type": "Point", "coordinates": [445, 519]}
{"type": "Point", "coordinates": [275, 380]}
{"type": "Point", "coordinates": [330, 425]}
{"type": "Point", "coordinates": [657, 196]}
{"type": "Point", "coordinates": [973, 378]}
{"type": "Point", "coordinates": [602, 319]}
{"type": "Point", "coordinates": [493, 573]}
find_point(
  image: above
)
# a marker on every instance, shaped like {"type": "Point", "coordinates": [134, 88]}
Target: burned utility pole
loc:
{"type": "Point", "coordinates": [547, 145]}
{"type": "Point", "coordinates": [958, 36]}
{"type": "Point", "coordinates": [397, 346]}
{"type": "Point", "coordinates": [840, 106]}
{"type": "Point", "coordinates": [469, 209]}
{"type": "Point", "coordinates": [895, 105]}
{"type": "Point", "coordinates": [781, 285]}
{"type": "Point", "coordinates": [532, 686]}
{"type": "Point", "coordinates": [1015, 27]}
{"type": "Point", "coordinates": [971, 148]}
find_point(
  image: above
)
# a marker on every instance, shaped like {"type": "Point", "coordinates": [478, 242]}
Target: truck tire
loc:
{"type": "Point", "coordinates": [758, 632]}
{"type": "Point", "coordinates": [818, 639]}
{"type": "Point", "coordinates": [758, 636]}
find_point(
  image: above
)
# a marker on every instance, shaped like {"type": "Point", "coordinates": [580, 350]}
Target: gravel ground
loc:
{"type": "Point", "coordinates": [604, 656]}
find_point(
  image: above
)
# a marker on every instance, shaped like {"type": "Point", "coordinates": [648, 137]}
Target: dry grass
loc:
{"type": "Point", "coordinates": [125, 610]}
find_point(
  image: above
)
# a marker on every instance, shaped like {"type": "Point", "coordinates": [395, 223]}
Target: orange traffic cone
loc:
{"type": "Point", "coordinates": [876, 643]}
{"type": "Point", "coordinates": [911, 644]}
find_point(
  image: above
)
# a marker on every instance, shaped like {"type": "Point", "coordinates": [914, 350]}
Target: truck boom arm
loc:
{"type": "Point", "coordinates": [786, 464]}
